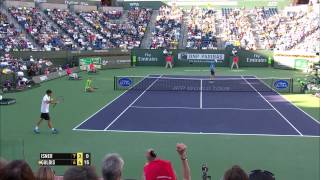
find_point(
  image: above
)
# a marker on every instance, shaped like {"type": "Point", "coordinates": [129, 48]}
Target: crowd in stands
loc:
{"type": "Point", "coordinates": [120, 35]}
{"type": "Point", "coordinates": [139, 19]}
{"type": "Point", "coordinates": [251, 29]}
{"type": "Point", "coordinates": [101, 23]}
{"type": "Point", "coordinates": [237, 28]}
{"type": "Point", "coordinates": [201, 29]}
{"type": "Point", "coordinates": [11, 38]}
{"type": "Point", "coordinates": [84, 36]}
{"type": "Point", "coordinates": [309, 43]}
{"type": "Point", "coordinates": [167, 30]}
{"type": "Point", "coordinates": [16, 73]}
{"type": "Point", "coordinates": [43, 32]}
{"type": "Point", "coordinates": [112, 15]}
{"type": "Point", "coordinates": [296, 28]}
{"type": "Point", "coordinates": [112, 169]}
{"type": "Point", "coordinates": [263, 28]}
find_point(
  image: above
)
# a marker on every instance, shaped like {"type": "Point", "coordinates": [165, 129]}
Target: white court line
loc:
{"type": "Point", "coordinates": [294, 104]}
{"type": "Point", "coordinates": [105, 105]}
{"type": "Point", "coordinates": [272, 106]}
{"type": "Point", "coordinates": [201, 94]}
{"type": "Point", "coordinates": [197, 133]}
{"type": "Point", "coordinates": [75, 128]}
{"type": "Point", "coordinates": [196, 108]}
{"type": "Point", "coordinates": [132, 102]}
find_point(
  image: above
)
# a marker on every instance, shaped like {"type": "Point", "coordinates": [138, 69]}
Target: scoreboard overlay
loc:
{"type": "Point", "coordinates": [65, 159]}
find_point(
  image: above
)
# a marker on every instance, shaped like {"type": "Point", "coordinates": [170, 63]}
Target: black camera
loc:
{"type": "Point", "coordinates": [204, 170]}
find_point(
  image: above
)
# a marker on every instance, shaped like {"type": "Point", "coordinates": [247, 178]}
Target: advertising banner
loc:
{"type": "Point", "coordinates": [84, 62]}
{"type": "Point", "coordinates": [200, 58]}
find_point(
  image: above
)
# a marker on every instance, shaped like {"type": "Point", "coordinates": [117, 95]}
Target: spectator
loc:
{"type": "Point", "coordinates": [44, 33]}
{"type": "Point", "coordinates": [158, 169]}
{"type": "Point", "coordinates": [120, 35]}
{"type": "Point", "coordinates": [3, 163]}
{"type": "Point", "coordinates": [165, 52]}
{"type": "Point", "coordinates": [259, 174]}
{"type": "Point", "coordinates": [84, 36]}
{"type": "Point", "coordinates": [182, 151]}
{"type": "Point", "coordinates": [17, 170]}
{"type": "Point", "coordinates": [80, 173]}
{"type": "Point", "coordinates": [235, 173]}
{"type": "Point", "coordinates": [19, 72]}
{"type": "Point", "coordinates": [201, 29]}
{"type": "Point", "coordinates": [167, 28]}
{"type": "Point", "coordinates": [112, 166]}
{"type": "Point", "coordinates": [11, 37]}
{"type": "Point", "coordinates": [45, 173]}
{"type": "Point", "coordinates": [234, 52]}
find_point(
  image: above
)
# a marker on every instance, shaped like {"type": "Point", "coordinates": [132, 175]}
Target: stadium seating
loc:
{"type": "Point", "coordinates": [199, 28]}
{"type": "Point", "coordinates": [237, 27]}
{"type": "Point", "coordinates": [17, 70]}
{"type": "Point", "coordinates": [11, 37]}
{"type": "Point", "coordinates": [45, 35]}
{"type": "Point", "coordinates": [124, 35]}
{"type": "Point", "coordinates": [83, 35]}
{"type": "Point", "coordinates": [167, 28]}
{"type": "Point", "coordinates": [295, 29]}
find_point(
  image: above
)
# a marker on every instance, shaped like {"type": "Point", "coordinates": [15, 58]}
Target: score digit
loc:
{"type": "Point", "coordinates": [86, 162]}
{"type": "Point", "coordinates": [86, 156]}
{"type": "Point", "coordinates": [79, 155]}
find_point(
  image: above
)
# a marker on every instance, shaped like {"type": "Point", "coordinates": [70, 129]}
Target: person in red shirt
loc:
{"type": "Point", "coordinates": [169, 60]}
{"type": "Point", "coordinates": [159, 169]}
{"type": "Point", "coordinates": [92, 68]}
{"type": "Point", "coordinates": [71, 75]}
{"type": "Point", "coordinates": [235, 61]}
{"type": "Point", "coordinates": [68, 71]}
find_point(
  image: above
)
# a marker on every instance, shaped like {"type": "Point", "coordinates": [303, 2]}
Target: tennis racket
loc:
{"type": "Point", "coordinates": [57, 100]}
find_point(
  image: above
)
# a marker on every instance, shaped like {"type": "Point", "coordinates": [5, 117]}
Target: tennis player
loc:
{"type": "Point", "coordinates": [46, 101]}
{"type": "Point", "coordinates": [88, 86]}
{"type": "Point", "coordinates": [212, 70]}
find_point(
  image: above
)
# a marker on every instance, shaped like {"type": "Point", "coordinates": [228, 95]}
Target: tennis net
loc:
{"type": "Point", "coordinates": [151, 83]}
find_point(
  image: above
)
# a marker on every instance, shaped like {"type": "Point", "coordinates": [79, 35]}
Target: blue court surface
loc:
{"type": "Point", "coordinates": [253, 111]}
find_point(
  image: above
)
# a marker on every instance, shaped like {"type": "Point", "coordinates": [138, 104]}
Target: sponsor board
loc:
{"type": "Point", "coordinates": [125, 82]}
{"type": "Point", "coordinates": [256, 59]}
{"type": "Point", "coordinates": [147, 57]}
{"type": "Point", "coordinates": [200, 58]}
{"type": "Point", "coordinates": [281, 84]}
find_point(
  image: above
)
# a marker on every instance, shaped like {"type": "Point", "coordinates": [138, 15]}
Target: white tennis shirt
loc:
{"type": "Point", "coordinates": [45, 104]}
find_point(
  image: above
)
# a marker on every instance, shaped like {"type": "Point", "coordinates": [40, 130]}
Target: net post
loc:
{"type": "Point", "coordinates": [272, 85]}
{"type": "Point", "coordinates": [201, 93]}
{"type": "Point", "coordinates": [291, 88]}
{"type": "Point", "coordinates": [114, 83]}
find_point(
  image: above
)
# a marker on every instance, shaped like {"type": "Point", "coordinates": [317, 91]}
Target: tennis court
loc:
{"type": "Point", "coordinates": [235, 105]}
